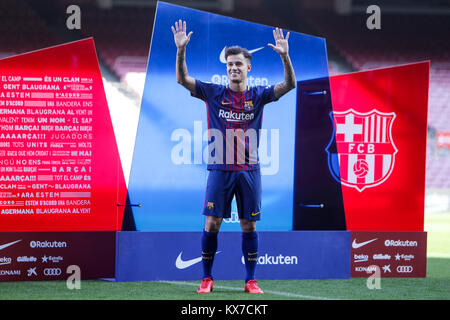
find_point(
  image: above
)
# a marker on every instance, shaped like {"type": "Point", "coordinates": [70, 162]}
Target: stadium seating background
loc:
{"type": "Point", "coordinates": [409, 33]}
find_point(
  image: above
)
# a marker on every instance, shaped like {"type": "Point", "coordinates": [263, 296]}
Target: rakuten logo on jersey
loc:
{"type": "Point", "coordinates": [400, 243]}
{"type": "Point", "coordinates": [236, 116]}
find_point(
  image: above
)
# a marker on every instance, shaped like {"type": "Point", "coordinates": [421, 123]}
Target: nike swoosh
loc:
{"type": "Point", "coordinates": [255, 214]}
{"type": "Point", "coordinates": [359, 245]}
{"type": "Point", "coordinates": [183, 264]}
{"type": "Point", "coordinates": [6, 245]}
{"type": "Point", "coordinates": [222, 53]}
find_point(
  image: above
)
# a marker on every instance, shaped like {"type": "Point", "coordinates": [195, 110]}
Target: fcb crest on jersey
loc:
{"type": "Point", "coordinates": [248, 105]}
{"type": "Point", "coordinates": [364, 156]}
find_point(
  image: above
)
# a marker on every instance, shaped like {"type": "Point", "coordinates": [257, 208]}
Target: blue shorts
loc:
{"type": "Point", "coordinates": [222, 186]}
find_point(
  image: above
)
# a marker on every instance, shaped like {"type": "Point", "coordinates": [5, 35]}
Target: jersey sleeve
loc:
{"type": "Point", "coordinates": [267, 94]}
{"type": "Point", "coordinates": [203, 90]}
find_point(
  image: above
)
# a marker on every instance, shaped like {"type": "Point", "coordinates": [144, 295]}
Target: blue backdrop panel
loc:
{"type": "Point", "coordinates": [169, 184]}
{"type": "Point", "coordinates": [150, 256]}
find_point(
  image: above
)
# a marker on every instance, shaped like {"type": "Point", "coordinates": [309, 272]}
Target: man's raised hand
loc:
{"type": "Point", "coordinates": [282, 48]}
{"type": "Point", "coordinates": [281, 43]}
{"type": "Point", "coordinates": [181, 40]}
{"type": "Point", "coordinates": [179, 34]}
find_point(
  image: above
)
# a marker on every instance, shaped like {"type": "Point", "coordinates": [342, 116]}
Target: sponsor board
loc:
{"type": "Point", "coordinates": [151, 256]}
{"type": "Point", "coordinates": [397, 254]}
{"type": "Point", "coordinates": [56, 174]}
{"type": "Point", "coordinates": [27, 256]}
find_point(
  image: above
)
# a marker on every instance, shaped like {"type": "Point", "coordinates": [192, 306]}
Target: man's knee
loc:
{"type": "Point", "coordinates": [248, 225]}
{"type": "Point", "coordinates": [212, 224]}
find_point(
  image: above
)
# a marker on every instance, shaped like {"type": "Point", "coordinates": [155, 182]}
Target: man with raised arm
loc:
{"type": "Point", "coordinates": [234, 121]}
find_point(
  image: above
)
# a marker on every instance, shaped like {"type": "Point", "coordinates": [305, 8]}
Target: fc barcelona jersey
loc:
{"type": "Point", "coordinates": [234, 123]}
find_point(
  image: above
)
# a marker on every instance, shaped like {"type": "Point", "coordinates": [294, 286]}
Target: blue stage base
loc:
{"type": "Point", "coordinates": [153, 256]}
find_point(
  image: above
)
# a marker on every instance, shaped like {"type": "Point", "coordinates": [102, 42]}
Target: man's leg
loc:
{"type": "Point", "coordinates": [209, 248]}
{"type": "Point", "coordinates": [217, 206]}
{"type": "Point", "coordinates": [209, 243]}
{"type": "Point", "coordinates": [250, 251]}
{"type": "Point", "coordinates": [248, 198]}
{"type": "Point", "coordinates": [249, 247]}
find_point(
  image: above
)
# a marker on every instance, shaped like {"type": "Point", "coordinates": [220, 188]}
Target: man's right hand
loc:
{"type": "Point", "coordinates": [179, 34]}
{"type": "Point", "coordinates": [181, 40]}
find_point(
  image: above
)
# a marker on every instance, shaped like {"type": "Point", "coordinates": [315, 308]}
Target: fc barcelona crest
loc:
{"type": "Point", "coordinates": [248, 105]}
{"type": "Point", "coordinates": [364, 156]}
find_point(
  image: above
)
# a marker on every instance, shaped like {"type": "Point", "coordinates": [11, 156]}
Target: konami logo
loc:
{"type": "Point", "coordinates": [366, 269]}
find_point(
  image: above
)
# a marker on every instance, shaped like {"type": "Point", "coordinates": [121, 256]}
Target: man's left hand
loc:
{"type": "Point", "coordinates": [281, 43]}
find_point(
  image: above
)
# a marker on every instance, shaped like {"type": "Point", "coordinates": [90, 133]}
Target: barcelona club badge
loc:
{"type": "Point", "coordinates": [248, 105]}
{"type": "Point", "coordinates": [365, 150]}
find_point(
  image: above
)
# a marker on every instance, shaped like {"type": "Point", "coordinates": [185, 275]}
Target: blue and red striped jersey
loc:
{"type": "Point", "coordinates": [234, 123]}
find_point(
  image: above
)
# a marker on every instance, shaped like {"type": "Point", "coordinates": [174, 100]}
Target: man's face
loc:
{"type": "Point", "coordinates": [237, 68]}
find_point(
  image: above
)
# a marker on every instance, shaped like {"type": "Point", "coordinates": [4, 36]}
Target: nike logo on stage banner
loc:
{"type": "Point", "coordinates": [183, 264]}
{"type": "Point", "coordinates": [359, 245]}
{"type": "Point", "coordinates": [222, 53]}
{"type": "Point", "coordinates": [3, 246]}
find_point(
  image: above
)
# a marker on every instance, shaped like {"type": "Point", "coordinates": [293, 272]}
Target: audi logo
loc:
{"type": "Point", "coordinates": [404, 269]}
{"type": "Point", "coordinates": [52, 271]}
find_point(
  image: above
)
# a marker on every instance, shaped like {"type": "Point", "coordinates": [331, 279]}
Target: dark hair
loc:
{"type": "Point", "coordinates": [233, 50]}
